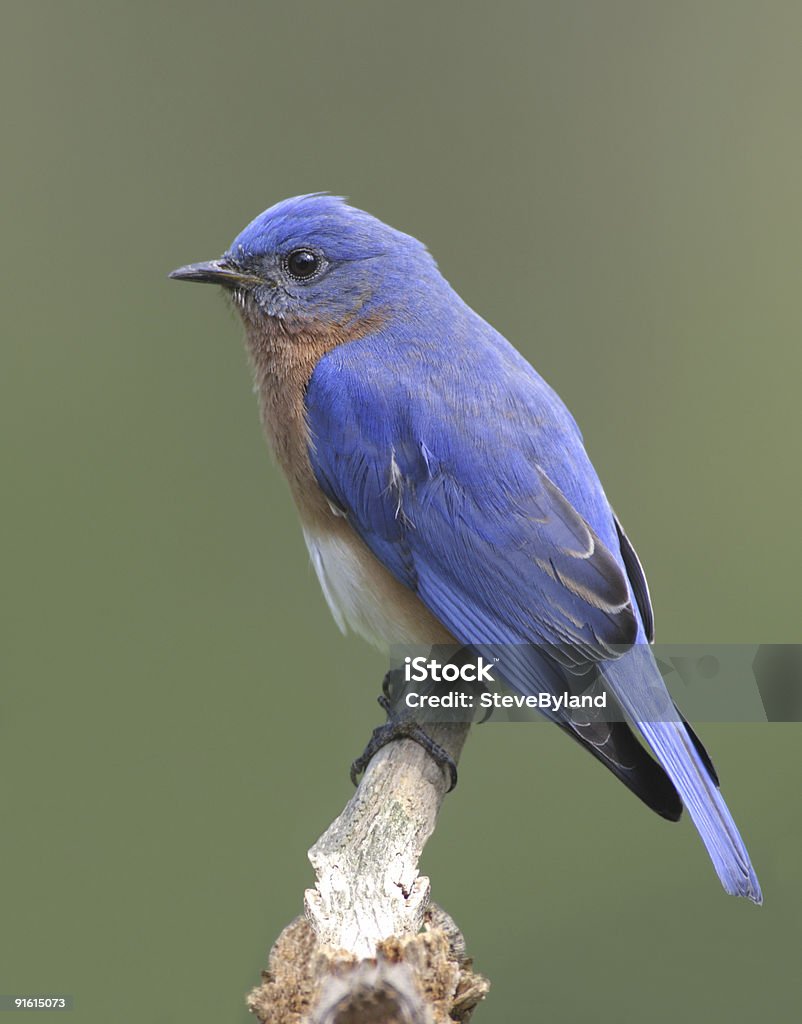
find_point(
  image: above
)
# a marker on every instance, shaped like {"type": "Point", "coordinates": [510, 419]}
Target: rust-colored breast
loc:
{"type": "Point", "coordinates": [283, 359]}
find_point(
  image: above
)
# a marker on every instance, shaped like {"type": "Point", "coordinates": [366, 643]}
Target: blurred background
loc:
{"type": "Point", "coordinates": [616, 187]}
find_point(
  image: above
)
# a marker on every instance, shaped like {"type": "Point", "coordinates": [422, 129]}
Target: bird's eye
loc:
{"type": "Point", "coordinates": [302, 264]}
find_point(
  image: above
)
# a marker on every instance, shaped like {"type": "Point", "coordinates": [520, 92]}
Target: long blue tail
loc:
{"type": "Point", "coordinates": [636, 682]}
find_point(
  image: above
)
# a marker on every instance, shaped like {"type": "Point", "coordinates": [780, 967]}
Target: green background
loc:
{"type": "Point", "coordinates": [614, 185]}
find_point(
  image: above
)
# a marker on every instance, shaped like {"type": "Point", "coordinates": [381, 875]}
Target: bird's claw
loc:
{"type": "Point", "coordinates": [403, 729]}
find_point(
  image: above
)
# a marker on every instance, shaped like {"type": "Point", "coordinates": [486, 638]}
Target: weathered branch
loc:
{"type": "Point", "coordinates": [366, 863]}
{"type": "Point", "coordinates": [360, 954]}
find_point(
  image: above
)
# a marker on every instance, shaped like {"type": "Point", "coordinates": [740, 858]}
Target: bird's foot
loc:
{"type": "Point", "coordinates": [401, 727]}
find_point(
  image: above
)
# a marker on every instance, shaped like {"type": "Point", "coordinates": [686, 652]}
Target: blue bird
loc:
{"type": "Point", "coordinates": [444, 490]}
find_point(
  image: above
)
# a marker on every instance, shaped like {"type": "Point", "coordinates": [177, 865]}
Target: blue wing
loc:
{"type": "Point", "coordinates": [474, 489]}
{"type": "Point", "coordinates": [459, 495]}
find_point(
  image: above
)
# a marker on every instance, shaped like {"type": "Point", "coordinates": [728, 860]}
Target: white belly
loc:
{"type": "Point", "coordinates": [364, 596]}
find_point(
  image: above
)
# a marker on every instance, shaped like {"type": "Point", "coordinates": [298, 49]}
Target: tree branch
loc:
{"type": "Point", "coordinates": [360, 955]}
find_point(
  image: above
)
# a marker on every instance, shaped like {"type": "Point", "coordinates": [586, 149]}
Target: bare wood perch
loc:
{"type": "Point", "coordinates": [360, 955]}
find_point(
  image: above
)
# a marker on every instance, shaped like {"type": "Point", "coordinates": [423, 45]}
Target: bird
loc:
{"type": "Point", "coordinates": [444, 491]}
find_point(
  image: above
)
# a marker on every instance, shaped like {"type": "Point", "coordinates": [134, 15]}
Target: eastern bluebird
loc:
{"type": "Point", "coordinates": [444, 491]}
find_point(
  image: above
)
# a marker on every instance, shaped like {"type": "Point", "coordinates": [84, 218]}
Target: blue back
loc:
{"type": "Point", "coordinates": [467, 477]}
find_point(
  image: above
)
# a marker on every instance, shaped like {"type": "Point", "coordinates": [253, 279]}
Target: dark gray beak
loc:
{"type": "Point", "coordinates": [215, 272]}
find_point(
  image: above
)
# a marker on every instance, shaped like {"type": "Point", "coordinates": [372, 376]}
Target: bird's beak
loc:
{"type": "Point", "coordinates": [216, 272]}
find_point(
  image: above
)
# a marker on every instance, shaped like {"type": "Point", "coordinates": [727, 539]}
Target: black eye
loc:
{"type": "Point", "coordinates": [302, 263]}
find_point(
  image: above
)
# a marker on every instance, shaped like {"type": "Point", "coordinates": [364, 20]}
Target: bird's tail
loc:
{"type": "Point", "coordinates": [636, 682]}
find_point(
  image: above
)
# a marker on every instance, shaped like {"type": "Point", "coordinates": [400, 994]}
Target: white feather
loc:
{"type": "Point", "coordinates": [364, 596]}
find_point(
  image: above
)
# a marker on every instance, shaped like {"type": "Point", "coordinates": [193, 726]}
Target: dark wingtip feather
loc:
{"type": "Point", "coordinates": [626, 757]}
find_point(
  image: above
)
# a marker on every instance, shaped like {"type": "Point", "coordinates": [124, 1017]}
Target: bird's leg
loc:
{"type": "Point", "coordinates": [400, 725]}
{"type": "Point", "coordinates": [392, 686]}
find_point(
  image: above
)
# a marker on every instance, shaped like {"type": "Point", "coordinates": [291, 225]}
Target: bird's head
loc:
{"type": "Point", "coordinates": [313, 261]}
